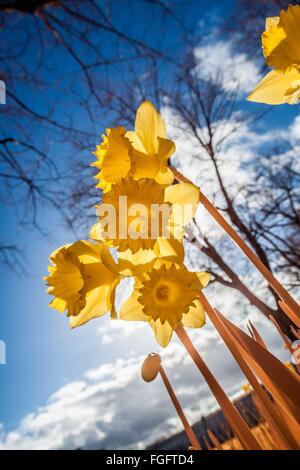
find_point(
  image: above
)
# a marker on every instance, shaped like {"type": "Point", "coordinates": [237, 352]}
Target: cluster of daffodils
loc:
{"type": "Point", "coordinates": [141, 218]}
{"type": "Point", "coordinates": [281, 48]}
{"type": "Point", "coordinates": [143, 213]}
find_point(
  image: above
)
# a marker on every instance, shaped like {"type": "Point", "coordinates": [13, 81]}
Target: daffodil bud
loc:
{"type": "Point", "coordinates": [150, 367]}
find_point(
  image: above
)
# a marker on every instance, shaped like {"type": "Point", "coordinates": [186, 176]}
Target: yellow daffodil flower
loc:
{"type": "Point", "coordinates": [140, 154]}
{"type": "Point", "coordinates": [281, 49]}
{"type": "Point", "coordinates": [281, 40]}
{"type": "Point", "coordinates": [165, 297]}
{"type": "Point", "coordinates": [130, 218]}
{"type": "Point", "coordinates": [83, 278]}
{"type": "Point", "coordinates": [151, 148]}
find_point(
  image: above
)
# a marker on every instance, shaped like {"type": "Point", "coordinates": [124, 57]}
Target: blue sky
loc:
{"type": "Point", "coordinates": [43, 353]}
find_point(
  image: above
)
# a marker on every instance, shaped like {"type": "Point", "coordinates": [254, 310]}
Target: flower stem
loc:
{"type": "Point", "coordinates": [235, 420]}
{"type": "Point", "coordinates": [214, 440]}
{"type": "Point", "coordinates": [292, 315]}
{"type": "Point", "coordinates": [187, 427]}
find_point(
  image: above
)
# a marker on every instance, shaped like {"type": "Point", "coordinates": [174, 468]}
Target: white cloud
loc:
{"type": "Point", "coordinates": [295, 131]}
{"type": "Point", "coordinates": [217, 59]}
{"type": "Point", "coordinates": [111, 407]}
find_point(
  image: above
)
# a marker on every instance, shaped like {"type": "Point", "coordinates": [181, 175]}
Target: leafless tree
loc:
{"type": "Point", "coordinates": [56, 59]}
{"type": "Point", "coordinates": [277, 218]}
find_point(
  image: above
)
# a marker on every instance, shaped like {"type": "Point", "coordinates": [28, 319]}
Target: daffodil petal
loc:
{"type": "Point", "coordinates": [164, 177]}
{"type": "Point", "coordinates": [97, 304]}
{"type": "Point", "coordinates": [271, 21]}
{"type": "Point", "coordinates": [117, 163]}
{"type": "Point", "coordinates": [149, 126]}
{"type": "Point", "coordinates": [57, 303]}
{"type": "Point", "coordinates": [96, 275]}
{"type": "Point", "coordinates": [108, 260]}
{"type": "Point", "coordinates": [113, 312]}
{"type": "Point", "coordinates": [195, 318]}
{"type": "Point", "coordinates": [54, 253]}
{"type": "Point", "coordinates": [132, 264]}
{"type": "Point", "coordinates": [112, 158]}
{"type": "Point", "coordinates": [135, 141]}
{"type": "Point", "coordinates": [159, 262]}
{"type": "Point", "coordinates": [145, 166]}
{"type": "Point", "coordinates": [89, 252]}
{"type": "Point", "coordinates": [273, 87]}
{"type": "Point", "coordinates": [203, 278]}
{"type": "Point", "coordinates": [165, 150]}
{"type": "Point", "coordinates": [96, 233]}
{"type": "Point", "coordinates": [271, 39]}
{"type": "Point", "coordinates": [185, 197]}
{"type": "Point", "coordinates": [182, 193]}
{"type": "Point", "coordinates": [175, 227]}
{"type": "Point", "coordinates": [131, 309]}
{"type": "Point", "coordinates": [163, 332]}
{"type": "Point", "coordinates": [171, 249]}
{"type": "Point", "coordinates": [155, 166]}
{"type": "Point", "coordinates": [66, 281]}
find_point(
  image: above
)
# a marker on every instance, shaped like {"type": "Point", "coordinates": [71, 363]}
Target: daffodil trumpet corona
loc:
{"type": "Point", "coordinates": [83, 278]}
{"type": "Point", "coordinates": [281, 49]}
{"type": "Point", "coordinates": [165, 297]}
{"type": "Point", "coordinates": [134, 214]}
{"type": "Point", "coordinates": [142, 153]}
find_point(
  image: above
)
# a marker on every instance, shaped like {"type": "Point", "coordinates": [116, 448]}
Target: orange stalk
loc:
{"type": "Point", "coordinates": [214, 440]}
{"type": "Point", "coordinates": [186, 425]}
{"type": "Point", "coordinates": [282, 383]}
{"type": "Point", "coordinates": [274, 283]}
{"type": "Point", "coordinates": [284, 338]}
{"type": "Point", "coordinates": [278, 427]}
{"type": "Point", "coordinates": [235, 420]}
{"type": "Point", "coordinates": [295, 332]}
{"type": "Point", "coordinates": [256, 335]}
{"type": "Point", "coordinates": [207, 443]}
{"type": "Point", "coordinates": [290, 313]}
